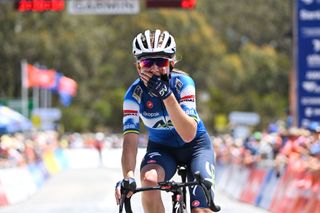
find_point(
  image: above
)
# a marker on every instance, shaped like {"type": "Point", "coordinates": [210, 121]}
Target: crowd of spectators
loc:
{"type": "Point", "coordinates": [271, 148]}
{"type": "Point", "coordinates": [20, 149]}
{"type": "Point", "coordinates": [297, 147]}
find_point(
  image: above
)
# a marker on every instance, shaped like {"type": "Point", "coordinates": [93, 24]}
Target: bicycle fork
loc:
{"type": "Point", "coordinates": [178, 203]}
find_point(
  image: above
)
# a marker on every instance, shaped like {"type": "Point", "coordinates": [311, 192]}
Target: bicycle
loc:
{"type": "Point", "coordinates": [178, 190]}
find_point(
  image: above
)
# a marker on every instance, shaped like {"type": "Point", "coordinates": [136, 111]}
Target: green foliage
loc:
{"type": "Point", "coordinates": [237, 51]}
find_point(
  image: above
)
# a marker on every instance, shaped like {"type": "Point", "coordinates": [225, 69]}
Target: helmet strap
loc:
{"type": "Point", "coordinates": [165, 77]}
{"type": "Point", "coordinates": [170, 68]}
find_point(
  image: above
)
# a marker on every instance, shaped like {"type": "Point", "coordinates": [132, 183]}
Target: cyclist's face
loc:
{"type": "Point", "coordinates": [154, 66]}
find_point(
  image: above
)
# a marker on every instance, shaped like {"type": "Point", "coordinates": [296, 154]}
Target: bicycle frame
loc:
{"type": "Point", "coordinates": [178, 190]}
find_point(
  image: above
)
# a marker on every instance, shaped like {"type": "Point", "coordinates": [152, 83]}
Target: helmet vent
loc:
{"type": "Point", "coordinates": [169, 42]}
{"type": "Point", "coordinates": [154, 43]}
{"type": "Point", "coordinates": [137, 45]}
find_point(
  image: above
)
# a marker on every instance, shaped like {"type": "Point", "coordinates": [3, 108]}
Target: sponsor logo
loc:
{"type": "Point", "coordinates": [129, 126]}
{"type": "Point", "coordinates": [195, 203]}
{"type": "Point", "coordinates": [153, 154]}
{"type": "Point", "coordinates": [149, 104]}
{"type": "Point", "coordinates": [178, 85]}
{"type": "Point", "coordinates": [163, 90]}
{"type": "Point", "coordinates": [188, 98]}
{"type": "Point", "coordinates": [137, 93]}
{"type": "Point", "coordinates": [130, 112]}
{"type": "Point", "coordinates": [309, 15]}
{"type": "Point", "coordinates": [150, 114]}
{"type": "Point", "coordinates": [177, 206]}
{"type": "Point", "coordinates": [316, 45]}
{"type": "Point", "coordinates": [162, 124]}
{"type": "Point", "coordinates": [313, 60]}
{"type": "Point", "coordinates": [191, 112]}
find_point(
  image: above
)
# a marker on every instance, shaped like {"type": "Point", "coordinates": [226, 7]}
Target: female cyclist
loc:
{"type": "Point", "coordinates": [164, 99]}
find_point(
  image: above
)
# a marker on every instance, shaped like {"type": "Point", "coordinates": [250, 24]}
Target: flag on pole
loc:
{"type": "Point", "coordinates": [67, 89]}
{"type": "Point", "coordinates": [52, 80]}
{"type": "Point", "coordinates": [31, 76]}
{"type": "Point", "coordinates": [47, 78]}
{"type": "Point", "coordinates": [67, 85]}
{"type": "Point", "coordinates": [42, 78]}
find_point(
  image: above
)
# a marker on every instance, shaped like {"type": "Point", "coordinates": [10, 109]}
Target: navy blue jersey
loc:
{"type": "Point", "coordinates": [140, 103]}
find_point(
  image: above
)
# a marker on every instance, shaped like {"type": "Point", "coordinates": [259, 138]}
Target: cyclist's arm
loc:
{"type": "Point", "coordinates": [129, 154]}
{"type": "Point", "coordinates": [185, 125]}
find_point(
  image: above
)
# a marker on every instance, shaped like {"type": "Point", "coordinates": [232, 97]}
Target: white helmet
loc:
{"type": "Point", "coordinates": [153, 43]}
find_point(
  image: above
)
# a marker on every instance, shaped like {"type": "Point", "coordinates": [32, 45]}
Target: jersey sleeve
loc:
{"type": "Point", "coordinates": [187, 97]}
{"type": "Point", "coordinates": [131, 113]}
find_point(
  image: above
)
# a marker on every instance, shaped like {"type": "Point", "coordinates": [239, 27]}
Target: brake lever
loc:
{"type": "Point", "coordinates": [206, 185]}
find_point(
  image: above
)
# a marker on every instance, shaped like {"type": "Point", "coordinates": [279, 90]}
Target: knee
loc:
{"type": "Point", "coordinates": [150, 177]}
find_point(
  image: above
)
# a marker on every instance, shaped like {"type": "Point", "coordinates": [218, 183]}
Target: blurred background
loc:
{"type": "Point", "coordinates": [238, 52]}
{"type": "Point", "coordinates": [66, 64]}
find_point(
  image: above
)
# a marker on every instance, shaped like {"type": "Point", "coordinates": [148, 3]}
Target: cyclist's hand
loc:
{"type": "Point", "coordinates": [158, 87]}
{"type": "Point", "coordinates": [117, 192]}
{"type": "Point", "coordinates": [127, 186]}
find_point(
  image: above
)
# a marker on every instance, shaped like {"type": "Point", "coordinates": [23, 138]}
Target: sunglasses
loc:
{"type": "Point", "coordinates": [149, 62]}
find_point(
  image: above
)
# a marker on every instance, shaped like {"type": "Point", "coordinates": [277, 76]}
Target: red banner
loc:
{"type": "Point", "coordinates": [39, 5]}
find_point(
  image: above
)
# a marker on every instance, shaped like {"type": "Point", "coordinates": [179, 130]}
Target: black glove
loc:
{"type": "Point", "coordinates": [158, 87]}
{"type": "Point", "coordinates": [127, 185]}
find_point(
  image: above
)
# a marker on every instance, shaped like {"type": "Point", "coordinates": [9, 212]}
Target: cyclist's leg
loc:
{"type": "Point", "coordinates": [156, 166]}
{"type": "Point", "coordinates": [202, 161]}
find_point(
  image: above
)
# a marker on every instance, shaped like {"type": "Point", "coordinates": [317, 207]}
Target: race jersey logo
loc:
{"type": "Point", "coordinates": [129, 126]}
{"type": "Point", "coordinates": [163, 90]}
{"type": "Point", "coordinates": [137, 93]}
{"type": "Point", "coordinates": [195, 203]}
{"type": "Point", "coordinates": [162, 124]}
{"type": "Point", "coordinates": [149, 104]}
{"type": "Point", "coordinates": [153, 154]}
{"type": "Point", "coordinates": [188, 98]}
{"type": "Point", "coordinates": [178, 85]}
{"type": "Point", "coordinates": [130, 112]}
{"type": "Point", "coordinates": [151, 114]}
{"type": "Point", "coordinates": [211, 172]}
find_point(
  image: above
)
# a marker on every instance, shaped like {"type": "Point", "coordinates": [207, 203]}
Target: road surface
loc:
{"type": "Point", "coordinates": [89, 188]}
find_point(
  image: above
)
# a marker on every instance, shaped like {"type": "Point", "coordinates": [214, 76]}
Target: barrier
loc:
{"type": "Point", "coordinates": [61, 159]}
{"type": "Point", "coordinates": [314, 204]}
{"type": "Point", "coordinates": [253, 186]}
{"type": "Point", "coordinates": [3, 197]}
{"type": "Point", "coordinates": [51, 162]}
{"type": "Point", "coordinates": [17, 184]}
{"type": "Point", "coordinates": [267, 190]}
{"type": "Point", "coordinates": [36, 172]}
{"type": "Point", "coordinates": [304, 189]}
{"type": "Point", "coordinates": [294, 191]}
{"type": "Point", "coordinates": [237, 181]}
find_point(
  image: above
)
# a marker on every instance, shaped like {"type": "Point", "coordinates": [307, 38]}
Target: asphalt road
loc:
{"type": "Point", "coordinates": [89, 187]}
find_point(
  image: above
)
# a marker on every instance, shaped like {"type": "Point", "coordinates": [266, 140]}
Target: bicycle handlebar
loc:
{"type": "Point", "coordinates": [168, 186]}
